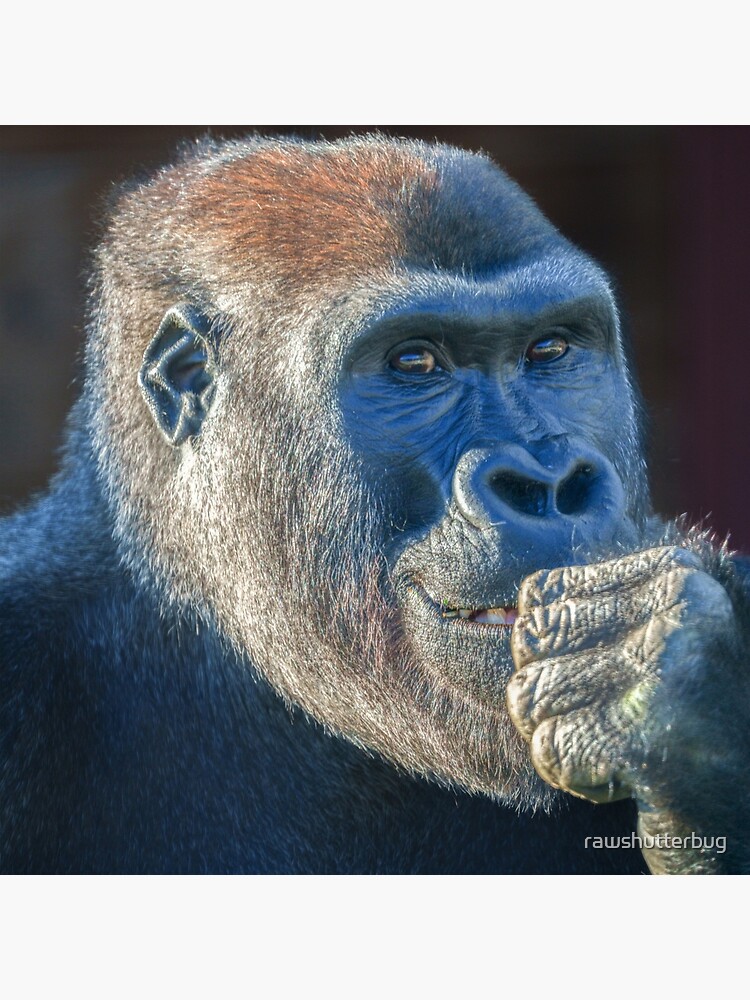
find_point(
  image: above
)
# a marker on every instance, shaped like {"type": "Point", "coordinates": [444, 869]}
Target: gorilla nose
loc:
{"type": "Point", "coordinates": [538, 496]}
{"type": "Point", "coordinates": [505, 483]}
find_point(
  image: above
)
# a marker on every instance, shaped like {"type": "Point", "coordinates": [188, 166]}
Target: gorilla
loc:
{"type": "Point", "coordinates": [350, 563]}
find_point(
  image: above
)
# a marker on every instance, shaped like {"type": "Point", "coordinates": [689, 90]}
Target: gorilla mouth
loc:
{"type": "Point", "coordinates": [504, 616]}
{"type": "Point", "coordinates": [500, 616]}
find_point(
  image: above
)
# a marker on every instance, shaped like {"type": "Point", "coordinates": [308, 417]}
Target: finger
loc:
{"type": "Point", "coordinates": [566, 626]}
{"type": "Point", "coordinates": [560, 686]}
{"type": "Point", "coordinates": [572, 582]}
{"type": "Point", "coordinates": [568, 753]}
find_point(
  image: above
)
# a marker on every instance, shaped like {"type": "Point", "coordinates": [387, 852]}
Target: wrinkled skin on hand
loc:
{"type": "Point", "coordinates": [631, 680]}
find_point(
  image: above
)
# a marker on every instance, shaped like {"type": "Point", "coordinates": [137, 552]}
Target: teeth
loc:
{"type": "Point", "coordinates": [492, 616]}
{"type": "Point", "coordinates": [487, 616]}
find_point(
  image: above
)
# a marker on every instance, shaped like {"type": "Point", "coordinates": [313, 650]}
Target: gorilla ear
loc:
{"type": "Point", "coordinates": [177, 377]}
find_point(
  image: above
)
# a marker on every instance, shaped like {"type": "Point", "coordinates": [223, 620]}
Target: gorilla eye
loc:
{"type": "Point", "coordinates": [413, 360]}
{"type": "Point", "coordinates": [547, 349]}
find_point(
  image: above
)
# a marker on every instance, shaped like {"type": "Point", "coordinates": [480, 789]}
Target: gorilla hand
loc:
{"type": "Point", "coordinates": [630, 680]}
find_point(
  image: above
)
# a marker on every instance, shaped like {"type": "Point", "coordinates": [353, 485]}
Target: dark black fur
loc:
{"type": "Point", "coordinates": [215, 649]}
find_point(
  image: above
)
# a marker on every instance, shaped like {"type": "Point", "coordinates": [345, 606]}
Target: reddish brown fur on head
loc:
{"type": "Point", "coordinates": [286, 213]}
{"type": "Point", "coordinates": [290, 215]}
{"type": "Point", "coordinates": [311, 212]}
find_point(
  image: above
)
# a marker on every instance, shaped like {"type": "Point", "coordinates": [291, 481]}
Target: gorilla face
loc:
{"type": "Point", "coordinates": [496, 433]}
{"type": "Point", "coordinates": [397, 392]}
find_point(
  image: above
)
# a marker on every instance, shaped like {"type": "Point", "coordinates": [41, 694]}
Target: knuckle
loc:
{"type": "Point", "coordinates": [676, 555]}
{"type": "Point", "coordinates": [519, 699]}
{"type": "Point", "coordinates": [523, 642]}
{"type": "Point", "coordinates": [542, 588]}
{"type": "Point", "coordinates": [702, 592]}
{"type": "Point", "coordinates": [545, 751]}
{"type": "Point", "coordinates": [541, 632]}
{"type": "Point", "coordinates": [530, 592]}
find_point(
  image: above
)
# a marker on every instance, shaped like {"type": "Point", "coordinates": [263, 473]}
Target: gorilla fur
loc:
{"type": "Point", "coordinates": [208, 661]}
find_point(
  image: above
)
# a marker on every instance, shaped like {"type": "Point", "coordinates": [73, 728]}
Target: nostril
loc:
{"type": "Point", "coordinates": [573, 493]}
{"type": "Point", "coordinates": [525, 495]}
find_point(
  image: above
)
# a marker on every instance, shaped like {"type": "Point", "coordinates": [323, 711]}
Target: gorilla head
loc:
{"type": "Point", "coordinates": [344, 398]}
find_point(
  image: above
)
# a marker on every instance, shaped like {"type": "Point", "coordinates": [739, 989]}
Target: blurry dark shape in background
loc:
{"type": "Point", "coordinates": [666, 210]}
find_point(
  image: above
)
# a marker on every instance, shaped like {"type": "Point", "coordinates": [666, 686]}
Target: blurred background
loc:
{"type": "Point", "coordinates": [666, 210]}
